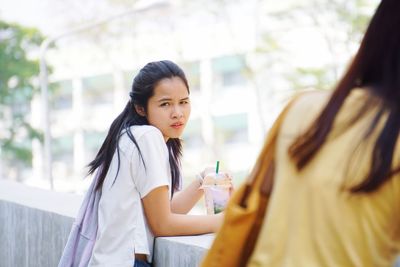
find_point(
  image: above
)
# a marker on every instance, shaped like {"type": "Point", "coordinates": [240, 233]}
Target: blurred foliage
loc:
{"type": "Point", "coordinates": [78, 13]}
{"type": "Point", "coordinates": [340, 24]}
{"type": "Point", "coordinates": [17, 78]}
{"type": "Point", "coordinates": [347, 17]}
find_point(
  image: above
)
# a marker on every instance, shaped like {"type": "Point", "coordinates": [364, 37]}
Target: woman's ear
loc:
{"type": "Point", "coordinates": [140, 110]}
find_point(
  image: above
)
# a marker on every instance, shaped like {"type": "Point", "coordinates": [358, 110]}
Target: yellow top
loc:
{"type": "Point", "coordinates": [311, 221]}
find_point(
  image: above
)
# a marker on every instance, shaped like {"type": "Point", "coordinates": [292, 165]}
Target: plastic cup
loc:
{"type": "Point", "coordinates": [217, 191]}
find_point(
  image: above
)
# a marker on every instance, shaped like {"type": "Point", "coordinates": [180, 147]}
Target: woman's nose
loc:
{"type": "Point", "coordinates": [177, 112]}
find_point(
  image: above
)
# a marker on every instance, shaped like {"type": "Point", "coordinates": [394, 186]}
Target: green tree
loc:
{"type": "Point", "coordinates": [17, 78]}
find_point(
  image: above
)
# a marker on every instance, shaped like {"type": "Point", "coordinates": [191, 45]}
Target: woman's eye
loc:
{"type": "Point", "coordinates": [185, 102]}
{"type": "Point", "coordinates": [164, 104]}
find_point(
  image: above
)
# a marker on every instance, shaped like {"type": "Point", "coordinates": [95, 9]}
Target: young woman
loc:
{"type": "Point", "coordinates": [139, 175]}
{"type": "Point", "coordinates": [336, 196]}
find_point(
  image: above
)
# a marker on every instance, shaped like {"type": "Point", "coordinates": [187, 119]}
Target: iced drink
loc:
{"type": "Point", "coordinates": [217, 188]}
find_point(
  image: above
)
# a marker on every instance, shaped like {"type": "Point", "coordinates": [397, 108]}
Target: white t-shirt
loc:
{"type": "Point", "coordinates": [123, 229]}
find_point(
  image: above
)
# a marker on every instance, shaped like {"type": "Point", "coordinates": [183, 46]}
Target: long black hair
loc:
{"type": "Point", "coordinates": [142, 89]}
{"type": "Point", "coordinates": [376, 68]}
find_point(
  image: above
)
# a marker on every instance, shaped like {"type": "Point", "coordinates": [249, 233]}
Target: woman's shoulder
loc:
{"type": "Point", "coordinates": [314, 99]}
{"type": "Point", "coordinates": [149, 131]}
{"type": "Point", "coordinates": [317, 99]}
{"type": "Point", "coordinates": [142, 134]}
{"type": "Point", "coordinates": [306, 105]}
{"type": "Point", "coordinates": [304, 108]}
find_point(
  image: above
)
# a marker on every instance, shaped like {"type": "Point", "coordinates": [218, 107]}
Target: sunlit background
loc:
{"type": "Point", "coordinates": [243, 59]}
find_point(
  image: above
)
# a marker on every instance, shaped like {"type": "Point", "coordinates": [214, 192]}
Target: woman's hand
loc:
{"type": "Point", "coordinates": [207, 170]}
{"type": "Point", "coordinates": [184, 200]}
{"type": "Point", "coordinates": [210, 170]}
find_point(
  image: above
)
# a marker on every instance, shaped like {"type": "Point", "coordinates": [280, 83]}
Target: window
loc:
{"type": "Point", "coordinates": [230, 129]}
{"type": "Point", "coordinates": [128, 78]}
{"type": "Point", "coordinates": [98, 89]}
{"type": "Point", "coordinates": [192, 72]}
{"type": "Point", "coordinates": [93, 141]}
{"type": "Point", "coordinates": [18, 102]}
{"type": "Point", "coordinates": [20, 108]}
{"type": "Point", "coordinates": [62, 148]}
{"type": "Point", "coordinates": [61, 95]}
{"type": "Point", "coordinates": [228, 71]}
{"type": "Point", "coordinates": [192, 136]}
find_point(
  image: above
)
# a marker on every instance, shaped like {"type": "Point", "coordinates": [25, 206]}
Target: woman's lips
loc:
{"type": "Point", "coordinates": [177, 125]}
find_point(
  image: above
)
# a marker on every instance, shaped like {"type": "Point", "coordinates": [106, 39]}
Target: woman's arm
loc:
{"type": "Point", "coordinates": [183, 201]}
{"type": "Point", "coordinates": [163, 222]}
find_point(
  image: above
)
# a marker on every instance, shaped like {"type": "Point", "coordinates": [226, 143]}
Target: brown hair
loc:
{"type": "Point", "coordinates": [376, 68]}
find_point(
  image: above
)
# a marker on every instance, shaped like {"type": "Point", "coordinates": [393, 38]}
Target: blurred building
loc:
{"type": "Point", "coordinates": [91, 82]}
{"type": "Point", "coordinates": [243, 60]}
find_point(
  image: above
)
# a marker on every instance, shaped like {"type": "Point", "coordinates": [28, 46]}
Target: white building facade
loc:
{"type": "Point", "coordinates": [91, 82]}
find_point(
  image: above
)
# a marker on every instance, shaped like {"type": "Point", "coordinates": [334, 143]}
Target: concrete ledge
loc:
{"type": "Point", "coordinates": [31, 237]}
{"type": "Point", "coordinates": [35, 224]}
{"type": "Point", "coordinates": [181, 250]}
{"type": "Point", "coordinates": [46, 200]}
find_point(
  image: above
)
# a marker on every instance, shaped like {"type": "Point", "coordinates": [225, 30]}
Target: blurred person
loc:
{"type": "Point", "coordinates": [336, 195]}
{"type": "Point", "coordinates": [138, 172]}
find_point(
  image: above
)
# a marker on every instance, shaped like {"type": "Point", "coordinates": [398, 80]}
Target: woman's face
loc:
{"type": "Point", "coordinates": [169, 107]}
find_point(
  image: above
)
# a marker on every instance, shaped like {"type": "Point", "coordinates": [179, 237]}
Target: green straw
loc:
{"type": "Point", "coordinates": [217, 167]}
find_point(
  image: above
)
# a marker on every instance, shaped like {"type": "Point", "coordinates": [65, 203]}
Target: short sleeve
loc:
{"type": "Point", "coordinates": [155, 171]}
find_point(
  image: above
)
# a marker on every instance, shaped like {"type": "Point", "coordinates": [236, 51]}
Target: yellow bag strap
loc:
{"type": "Point", "coordinates": [264, 169]}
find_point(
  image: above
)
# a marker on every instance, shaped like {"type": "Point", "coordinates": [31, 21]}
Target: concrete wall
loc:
{"type": "Point", "coordinates": [35, 225]}
{"type": "Point", "coordinates": [31, 237]}
{"type": "Point", "coordinates": [181, 251]}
